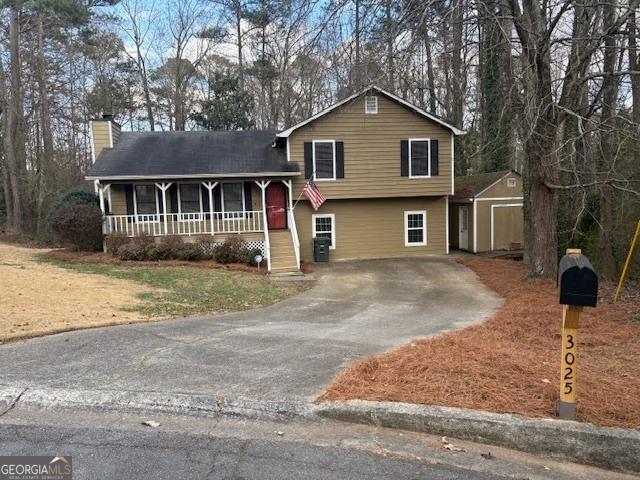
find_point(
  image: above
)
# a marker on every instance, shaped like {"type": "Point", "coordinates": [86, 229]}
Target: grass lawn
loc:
{"type": "Point", "coordinates": [180, 291]}
{"type": "Point", "coordinates": [510, 363]}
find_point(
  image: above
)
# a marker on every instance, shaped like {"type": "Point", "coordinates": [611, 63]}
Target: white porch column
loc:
{"type": "Point", "coordinates": [267, 246]}
{"type": "Point", "coordinates": [164, 187]}
{"type": "Point", "coordinates": [210, 186]}
{"type": "Point", "coordinates": [101, 197]}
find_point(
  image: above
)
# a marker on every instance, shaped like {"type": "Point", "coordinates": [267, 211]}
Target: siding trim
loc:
{"type": "Point", "coordinates": [494, 183]}
{"type": "Point", "coordinates": [498, 206]}
{"type": "Point", "coordinates": [453, 165]}
{"type": "Point", "coordinates": [475, 227]}
{"type": "Point", "coordinates": [200, 175]}
{"type": "Point", "coordinates": [446, 221]}
{"type": "Point", "coordinates": [424, 228]}
{"type": "Point", "coordinates": [498, 199]}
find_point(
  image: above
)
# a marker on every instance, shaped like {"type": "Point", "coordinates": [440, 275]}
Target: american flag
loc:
{"type": "Point", "coordinates": [314, 195]}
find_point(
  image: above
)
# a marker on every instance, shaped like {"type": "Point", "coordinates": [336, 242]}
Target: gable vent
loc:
{"type": "Point", "coordinates": [370, 104]}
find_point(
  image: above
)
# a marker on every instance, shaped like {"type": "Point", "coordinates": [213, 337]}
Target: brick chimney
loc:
{"type": "Point", "coordinates": [104, 134]}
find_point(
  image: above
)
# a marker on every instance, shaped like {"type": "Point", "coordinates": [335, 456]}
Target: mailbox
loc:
{"type": "Point", "coordinates": [577, 282]}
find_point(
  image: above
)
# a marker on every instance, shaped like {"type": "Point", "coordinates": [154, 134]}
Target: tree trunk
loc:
{"type": "Point", "coordinates": [633, 66]}
{"type": "Point", "coordinates": [430, 76]}
{"type": "Point", "coordinates": [357, 77]}
{"type": "Point", "coordinates": [46, 162]}
{"type": "Point", "coordinates": [14, 139]}
{"type": "Point", "coordinates": [606, 158]}
{"type": "Point", "coordinates": [390, 34]}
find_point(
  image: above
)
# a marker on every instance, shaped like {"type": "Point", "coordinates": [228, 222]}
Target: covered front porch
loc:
{"type": "Point", "coordinates": [215, 208]}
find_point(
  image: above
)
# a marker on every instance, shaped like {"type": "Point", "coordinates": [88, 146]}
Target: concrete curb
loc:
{"type": "Point", "coordinates": [151, 403]}
{"type": "Point", "coordinates": [611, 448]}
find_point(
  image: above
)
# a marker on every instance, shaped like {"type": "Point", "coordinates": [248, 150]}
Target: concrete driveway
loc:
{"type": "Point", "coordinates": [286, 351]}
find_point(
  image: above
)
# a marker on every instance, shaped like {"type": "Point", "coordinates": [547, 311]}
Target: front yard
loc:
{"type": "Point", "coordinates": [511, 362]}
{"type": "Point", "coordinates": [43, 294]}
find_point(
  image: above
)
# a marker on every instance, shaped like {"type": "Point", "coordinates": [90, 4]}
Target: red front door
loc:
{"type": "Point", "coordinates": [276, 206]}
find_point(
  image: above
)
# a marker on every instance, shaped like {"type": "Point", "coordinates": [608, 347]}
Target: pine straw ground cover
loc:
{"type": "Point", "coordinates": [510, 363]}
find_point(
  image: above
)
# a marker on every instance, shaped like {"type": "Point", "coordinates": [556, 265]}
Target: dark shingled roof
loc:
{"type": "Point", "coordinates": [471, 185]}
{"type": "Point", "coordinates": [149, 154]}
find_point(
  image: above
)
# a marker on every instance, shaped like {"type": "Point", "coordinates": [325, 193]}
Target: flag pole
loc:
{"type": "Point", "coordinates": [300, 196]}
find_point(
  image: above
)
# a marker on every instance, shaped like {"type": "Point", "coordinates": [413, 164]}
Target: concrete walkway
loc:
{"type": "Point", "coordinates": [290, 350]}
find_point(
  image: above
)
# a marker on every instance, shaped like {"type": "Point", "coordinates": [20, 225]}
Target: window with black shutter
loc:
{"type": "Point", "coordinates": [324, 159]}
{"type": "Point", "coordinates": [419, 164]}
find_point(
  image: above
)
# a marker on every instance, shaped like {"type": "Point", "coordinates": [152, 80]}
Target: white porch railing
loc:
{"type": "Point", "coordinates": [184, 223]}
{"type": "Point", "coordinates": [294, 235]}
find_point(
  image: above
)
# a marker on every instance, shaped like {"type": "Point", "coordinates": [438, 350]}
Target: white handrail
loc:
{"type": "Point", "coordinates": [185, 223]}
{"type": "Point", "coordinates": [294, 235]}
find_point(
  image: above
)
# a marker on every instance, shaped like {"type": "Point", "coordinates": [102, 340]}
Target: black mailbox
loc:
{"type": "Point", "coordinates": [577, 282]}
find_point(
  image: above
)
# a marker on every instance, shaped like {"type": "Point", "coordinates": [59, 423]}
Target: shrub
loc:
{"type": "Point", "coordinates": [131, 251]}
{"type": "Point", "coordinates": [159, 251]}
{"type": "Point", "coordinates": [189, 251]}
{"type": "Point", "coordinates": [231, 251]}
{"type": "Point", "coordinates": [75, 196]}
{"type": "Point", "coordinates": [249, 254]}
{"type": "Point", "coordinates": [114, 242]}
{"type": "Point", "coordinates": [79, 225]}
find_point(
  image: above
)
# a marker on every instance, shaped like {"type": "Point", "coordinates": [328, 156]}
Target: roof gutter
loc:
{"type": "Point", "coordinates": [201, 175]}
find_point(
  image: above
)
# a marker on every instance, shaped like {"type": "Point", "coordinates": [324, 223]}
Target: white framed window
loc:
{"type": "Point", "coordinates": [512, 183]}
{"type": "Point", "coordinates": [146, 203]}
{"type": "Point", "coordinates": [324, 225]}
{"type": "Point", "coordinates": [419, 157]}
{"type": "Point", "coordinates": [415, 228]}
{"type": "Point", "coordinates": [324, 159]}
{"type": "Point", "coordinates": [371, 105]}
{"type": "Point", "coordinates": [232, 198]}
{"type": "Point", "coordinates": [189, 199]}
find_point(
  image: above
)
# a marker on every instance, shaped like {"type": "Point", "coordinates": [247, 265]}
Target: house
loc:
{"type": "Point", "coordinates": [486, 212]}
{"type": "Point", "coordinates": [384, 165]}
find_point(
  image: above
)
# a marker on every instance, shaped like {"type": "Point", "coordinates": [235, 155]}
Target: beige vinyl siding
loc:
{"type": "Point", "coordinates": [374, 228]}
{"type": "Point", "coordinates": [118, 200]}
{"type": "Point", "coordinates": [372, 151]}
{"type": "Point", "coordinates": [101, 139]}
{"type": "Point", "coordinates": [501, 190]}
{"type": "Point", "coordinates": [484, 222]}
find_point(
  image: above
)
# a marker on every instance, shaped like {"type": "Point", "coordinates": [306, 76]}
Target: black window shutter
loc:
{"type": "Point", "coordinates": [172, 198]}
{"type": "Point", "coordinates": [434, 157]}
{"type": "Point", "coordinates": [404, 158]}
{"type": "Point", "coordinates": [205, 198]}
{"type": "Point", "coordinates": [247, 196]}
{"type": "Point", "coordinates": [128, 193]}
{"type": "Point", "coordinates": [339, 159]}
{"type": "Point", "coordinates": [217, 198]}
{"type": "Point", "coordinates": [308, 159]}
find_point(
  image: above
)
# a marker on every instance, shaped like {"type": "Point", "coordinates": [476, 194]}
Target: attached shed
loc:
{"type": "Point", "coordinates": [486, 212]}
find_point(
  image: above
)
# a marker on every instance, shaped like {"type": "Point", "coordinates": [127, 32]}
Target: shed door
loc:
{"type": "Point", "coordinates": [506, 227]}
{"type": "Point", "coordinates": [463, 228]}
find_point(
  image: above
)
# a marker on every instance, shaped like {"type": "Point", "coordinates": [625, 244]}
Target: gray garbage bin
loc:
{"type": "Point", "coordinates": [321, 249]}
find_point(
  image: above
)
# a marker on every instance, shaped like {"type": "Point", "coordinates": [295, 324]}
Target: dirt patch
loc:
{"type": "Point", "coordinates": [39, 299]}
{"type": "Point", "coordinates": [511, 362]}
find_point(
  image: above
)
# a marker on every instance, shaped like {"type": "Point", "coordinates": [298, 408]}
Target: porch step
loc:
{"type": "Point", "coordinates": [283, 255]}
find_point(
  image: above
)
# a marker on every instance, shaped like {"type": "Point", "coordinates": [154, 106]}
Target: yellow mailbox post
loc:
{"type": "Point", "coordinates": [578, 287]}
